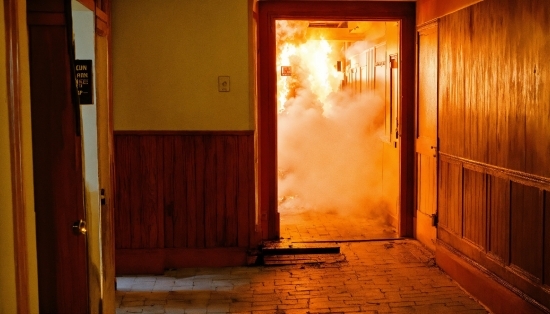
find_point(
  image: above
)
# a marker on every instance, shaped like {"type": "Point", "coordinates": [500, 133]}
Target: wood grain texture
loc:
{"type": "Point", "coordinates": [474, 215]}
{"type": "Point", "coordinates": [184, 190]}
{"type": "Point", "coordinates": [429, 10]}
{"type": "Point", "coordinates": [526, 230]}
{"type": "Point", "coordinates": [57, 166]}
{"type": "Point", "coordinates": [494, 120]}
{"type": "Point", "coordinates": [450, 196]}
{"type": "Point", "coordinates": [16, 155]}
{"type": "Point", "coordinates": [499, 219]}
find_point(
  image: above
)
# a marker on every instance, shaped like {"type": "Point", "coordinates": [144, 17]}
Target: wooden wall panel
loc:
{"type": "Point", "coordinates": [450, 196]}
{"type": "Point", "coordinates": [475, 207]}
{"type": "Point", "coordinates": [494, 98]}
{"type": "Point", "coordinates": [184, 190]}
{"type": "Point", "coordinates": [546, 263]}
{"type": "Point", "coordinates": [526, 229]}
{"type": "Point", "coordinates": [499, 219]}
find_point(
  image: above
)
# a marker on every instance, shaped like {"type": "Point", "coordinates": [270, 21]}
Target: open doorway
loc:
{"type": "Point", "coordinates": [391, 133]}
{"type": "Point", "coordinates": [337, 129]}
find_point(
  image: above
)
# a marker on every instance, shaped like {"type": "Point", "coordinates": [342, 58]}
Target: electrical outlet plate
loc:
{"type": "Point", "coordinates": [223, 83]}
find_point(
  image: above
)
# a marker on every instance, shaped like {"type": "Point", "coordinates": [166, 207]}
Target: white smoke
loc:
{"type": "Point", "coordinates": [329, 147]}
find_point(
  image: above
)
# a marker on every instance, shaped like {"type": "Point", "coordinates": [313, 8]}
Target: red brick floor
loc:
{"type": "Point", "coordinates": [387, 275]}
{"type": "Point", "coordinates": [310, 225]}
{"type": "Point", "coordinates": [397, 276]}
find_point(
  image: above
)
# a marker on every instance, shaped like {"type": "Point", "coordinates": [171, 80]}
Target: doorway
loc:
{"type": "Point", "coordinates": [337, 140]}
{"type": "Point", "coordinates": [396, 130]}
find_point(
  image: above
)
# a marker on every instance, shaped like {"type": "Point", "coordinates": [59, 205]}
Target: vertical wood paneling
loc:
{"type": "Point", "coordinates": [244, 222]}
{"type": "Point", "coordinates": [122, 200]}
{"type": "Point", "coordinates": [499, 220]}
{"type": "Point", "coordinates": [526, 229]}
{"type": "Point", "coordinates": [474, 195]}
{"type": "Point", "coordinates": [182, 198]}
{"type": "Point", "coordinates": [191, 204]}
{"type": "Point", "coordinates": [200, 193]}
{"type": "Point", "coordinates": [168, 197]}
{"type": "Point", "coordinates": [450, 196]}
{"type": "Point", "coordinates": [494, 116]}
{"type": "Point", "coordinates": [220, 185]}
{"type": "Point", "coordinates": [211, 193]}
{"type": "Point", "coordinates": [537, 78]}
{"type": "Point", "coordinates": [231, 149]}
{"type": "Point", "coordinates": [184, 191]}
{"type": "Point", "coordinates": [546, 262]}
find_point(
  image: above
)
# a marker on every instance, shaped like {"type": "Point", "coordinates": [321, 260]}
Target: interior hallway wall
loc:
{"type": "Point", "coordinates": [494, 114]}
{"type": "Point", "coordinates": [167, 56]}
{"type": "Point", "coordinates": [184, 151]}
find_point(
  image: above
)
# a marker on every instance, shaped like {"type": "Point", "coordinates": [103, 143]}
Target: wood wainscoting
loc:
{"type": "Point", "coordinates": [494, 143]}
{"type": "Point", "coordinates": [183, 199]}
{"type": "Point", "coordinates": [498, 219]}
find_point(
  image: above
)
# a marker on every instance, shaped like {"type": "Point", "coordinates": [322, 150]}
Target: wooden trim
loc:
{"type": "Point", "coordinates": [429, 10]}
{"type": "Point", "coordinates": [182, 132]}
{"type": "Point", "coordinates": [495, 293]}
{"type": "Point", "coordinates": [16, 155]}
{"type": "Point", "coordinates": [269, 11]}
{"type": "Point", "coordinates": [90, 4]}
{"type": "Point", "coordinates": [102, 24]}
{"type": "Point", "coordinates": [499, 172]}
{"type": "Point", "coordinates": [155, 261]}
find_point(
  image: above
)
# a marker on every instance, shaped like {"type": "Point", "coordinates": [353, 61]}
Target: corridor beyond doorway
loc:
{"type": "Point", "coordinates": [337, 143]}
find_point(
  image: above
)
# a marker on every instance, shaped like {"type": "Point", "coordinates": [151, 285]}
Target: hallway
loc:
{"type": "Point", "coordinates": [391, 276]}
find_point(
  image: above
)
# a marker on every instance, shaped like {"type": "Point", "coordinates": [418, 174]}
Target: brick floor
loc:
{"type": "Point", "coordinates": [392, 276]}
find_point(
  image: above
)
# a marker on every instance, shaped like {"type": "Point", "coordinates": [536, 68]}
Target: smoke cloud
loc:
{"type": "Point", "coordinates": [329, 146]}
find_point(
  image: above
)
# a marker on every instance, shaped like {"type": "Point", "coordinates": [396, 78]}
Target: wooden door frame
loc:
{"type": "Point", "coordinates": [266, 109]}
{"type": "Point", "coordinates": [16, 155]}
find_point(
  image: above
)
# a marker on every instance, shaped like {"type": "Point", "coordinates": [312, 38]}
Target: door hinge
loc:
{"type": "Point", "coordinates": [102, 197]}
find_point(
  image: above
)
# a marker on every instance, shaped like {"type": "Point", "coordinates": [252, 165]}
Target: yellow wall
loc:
{"type": "Point", "coordinates": [167, 56]}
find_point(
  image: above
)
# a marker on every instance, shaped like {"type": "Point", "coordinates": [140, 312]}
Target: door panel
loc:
{"type": "Point", "coordinates": [57, 168]}
{"type": "Point", "coordinates": [426, 135]}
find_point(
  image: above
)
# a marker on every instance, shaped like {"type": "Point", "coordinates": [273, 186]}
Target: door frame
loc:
{"type": "Point", "coordinates": [266, 108]}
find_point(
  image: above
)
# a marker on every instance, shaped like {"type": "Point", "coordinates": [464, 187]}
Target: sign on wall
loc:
{"type": "Point", "coordinates": [84, 81]}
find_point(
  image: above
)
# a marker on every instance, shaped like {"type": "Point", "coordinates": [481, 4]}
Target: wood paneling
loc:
{"type": "Point", "coordinates": [499, 219]}
{"type": "Point", "coordinates": [546, 279]}
{"type": "Point", "coordinates": [494, 86]}
{"type": "Point", "coordinates": [429, 10]}
{"type": "Point", "coordinates": [192, 190]}
{"type": "Point", "coordinates": [474, 200]}
{"type": "Point", "coordinates": [526, 229]}
{"type": "Point", "coordinates": [15, 117]}
{"type": "Point", "coordinates": [450, 196]}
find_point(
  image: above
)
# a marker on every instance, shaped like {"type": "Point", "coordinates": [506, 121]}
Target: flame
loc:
{"type": "Point", "coordinates": [312, 63]}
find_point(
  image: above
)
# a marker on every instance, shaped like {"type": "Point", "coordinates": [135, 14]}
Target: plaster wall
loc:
{"type": "Point", "coordinates": [167, 57]}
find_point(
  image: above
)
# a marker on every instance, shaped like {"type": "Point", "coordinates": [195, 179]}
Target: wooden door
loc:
{"type": "Point", "coordinates": [57, 168]}
{"type": "Point", "coordinates": [426, 135]}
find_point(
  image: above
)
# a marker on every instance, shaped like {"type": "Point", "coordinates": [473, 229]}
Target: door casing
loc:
{"type": "Point", "coordinates": [266, 112]}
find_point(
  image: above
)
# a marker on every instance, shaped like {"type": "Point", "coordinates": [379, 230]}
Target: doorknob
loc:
{"type": "Point", "coordinates": [79, 227]}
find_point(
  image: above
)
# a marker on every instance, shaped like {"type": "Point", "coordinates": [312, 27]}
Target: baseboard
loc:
{"type": "Point", "coordinates": [485, 288]}
{"type": "Point", "coordinates": [156, 261]}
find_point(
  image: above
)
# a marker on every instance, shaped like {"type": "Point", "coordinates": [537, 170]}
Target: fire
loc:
{"type": "Point", "coordinates": [313, 68]}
